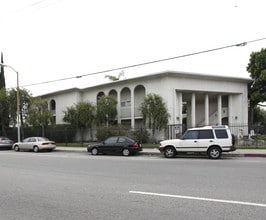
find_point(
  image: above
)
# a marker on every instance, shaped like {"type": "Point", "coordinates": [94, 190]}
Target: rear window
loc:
{"type": "Point", "coordinates": [221, 133]}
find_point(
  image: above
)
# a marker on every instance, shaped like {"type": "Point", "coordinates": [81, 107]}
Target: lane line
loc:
{"type": "Point", "coordinates": [200, 198]}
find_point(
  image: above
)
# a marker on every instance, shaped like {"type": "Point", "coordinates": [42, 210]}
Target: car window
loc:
{"type": "Point", "coordinates": [191, 135]}
{"type": "Point", "coordinates": [31, 140]}
{"type": "Point", "coordinates": [111, 140]}
{"type": "Point", "coordinates": [121, 140]}
{"type": "Point", "coordinates": [26, 140]}
{"type": "Point", "coordinates": [221, 133]}
{"type": "Point", "coordinates": [206, 134]}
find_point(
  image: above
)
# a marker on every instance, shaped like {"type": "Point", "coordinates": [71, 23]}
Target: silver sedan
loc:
{"type": "Point", "coordinates": [5, 143]}
{"type": "Point", "coordinates": [35, 143]}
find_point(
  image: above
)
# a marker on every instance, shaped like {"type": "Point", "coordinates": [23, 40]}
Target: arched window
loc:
{"type": "Point", "coordinates": [52, 105]}
{"type": "Point", "coordinates": [99, 95]}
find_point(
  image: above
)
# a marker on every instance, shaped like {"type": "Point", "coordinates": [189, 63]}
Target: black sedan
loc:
{"type": "Point", "coordinates": [116, 145]}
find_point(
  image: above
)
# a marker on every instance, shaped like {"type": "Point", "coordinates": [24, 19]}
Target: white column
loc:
{"type": "Point", "coordinates": [118, 107]}
{"type": "Point", "coordinates": [173, 119]}
{"type": "Point", "coordinates": [132, 101]}
{"type": "Point", "coordinates": [230, 109]}
{"type": "Point", "coordinates": [206, 102]}
{"type": "Point", "coordinates": [180, 106]}
{"type": "Point", "coordinates": [219, 110]}
{"type": "Point", "coordinates": [193, 110]}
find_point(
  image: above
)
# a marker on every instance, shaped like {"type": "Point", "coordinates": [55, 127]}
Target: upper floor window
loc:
{"type": "Point", "coordinates": [125, 103]}
{"type": "Point", "coordinates": [52, 105]}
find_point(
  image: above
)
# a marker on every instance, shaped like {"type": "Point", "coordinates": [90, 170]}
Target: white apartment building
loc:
{"type": "Point", "coordinates": [191, 98]}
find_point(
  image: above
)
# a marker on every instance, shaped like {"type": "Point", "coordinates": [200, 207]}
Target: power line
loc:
{"type": "Point", "coordinates": [147, 63]}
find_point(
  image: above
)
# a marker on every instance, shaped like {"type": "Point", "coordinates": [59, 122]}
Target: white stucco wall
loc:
{"type": "Point", "coordinates": [169, 85]}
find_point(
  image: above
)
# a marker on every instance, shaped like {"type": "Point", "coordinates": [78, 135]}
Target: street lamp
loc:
{"type": "Point", "coordinates": [18, 118]}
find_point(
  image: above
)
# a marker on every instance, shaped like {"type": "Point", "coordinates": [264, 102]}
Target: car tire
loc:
{"type": "Point", "coordinates": [169, 152]}
{"type": "Point", "coordinates": [16, 148]}
{"type": "Point", "coordinates": [125, 152]}
{"type": "Point", "coordinates": [36, 149]}
{"type": "Point", "coordinates": [94, 151]}
{"type": "Point", "coordinates": [214, 152]}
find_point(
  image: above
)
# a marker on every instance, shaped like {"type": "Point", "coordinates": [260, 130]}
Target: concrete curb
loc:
{"type": "Point", "coordinates": [254, 155]}
{"type": "Point", "coordinates": [156, 152]}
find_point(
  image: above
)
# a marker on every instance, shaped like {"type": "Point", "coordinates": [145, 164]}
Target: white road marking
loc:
{"type": "Point", "coordinates": [200, 198]}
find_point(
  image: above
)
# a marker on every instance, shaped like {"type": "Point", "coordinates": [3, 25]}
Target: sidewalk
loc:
{"type": "Point", "coordinates": [154, 152]}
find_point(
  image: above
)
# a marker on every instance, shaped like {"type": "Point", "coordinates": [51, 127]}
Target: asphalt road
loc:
{"type": "Point", "coordinates": [76, 185]}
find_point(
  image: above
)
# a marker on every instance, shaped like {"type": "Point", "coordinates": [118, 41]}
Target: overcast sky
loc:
{"type": "Point", "coordinates": [46, 40]}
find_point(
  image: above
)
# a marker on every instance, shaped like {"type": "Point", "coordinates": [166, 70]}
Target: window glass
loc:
{"type": "Point", "coordinates": [32, 140]}
{"type": "Point", "coordinates": [121, 140]}
{"type": "Point", "coordinates": [221, 133]}
{"type": "Point", "coordinates": [126, 103]}
{"type": "Point", "coordinates": [26, 140]}
{"type": "Point", "coordinates": [42, 139]}
{"type": "Point", "coordinates": [205, 134]}
{"type": "Point", "coordinates": [111, 140]}
{"type": "Point", "coordinates": [191, 135]}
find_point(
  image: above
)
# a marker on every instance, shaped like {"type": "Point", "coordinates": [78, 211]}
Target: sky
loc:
{"type": "Point", "coordinates": [49, 40]}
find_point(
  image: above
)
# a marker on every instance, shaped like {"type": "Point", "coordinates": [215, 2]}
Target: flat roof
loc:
{"type": "Point", "coordinates": [156, 75]}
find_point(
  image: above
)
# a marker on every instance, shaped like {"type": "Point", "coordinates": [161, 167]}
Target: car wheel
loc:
{"type": "Point", "coordinates": [16, 148]}
{"type": "Point", "coordinates": [214, 152]}
{"type": "Point", "coordinates": [36, 149]}
{"type": "Point", "coordinates": [94, 151]}
{"type": "Point", "coordinates": [169, 152]}
{"type": "Point", "coordinates": [125, 152]}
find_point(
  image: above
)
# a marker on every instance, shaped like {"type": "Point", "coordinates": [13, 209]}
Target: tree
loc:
{"type": "Point", "coordinates": [257, 89]}
{"type": "Point", "coordinates": [2, 74]}
{"type": "Point", "coordinates": [106, 110]}
{"type": "Point", "coordinates": [39, 114]}
{"type": "Point", "coordinates": [257, 69]}
{"type": "Point", "coordinates": [154, 112]}
{"type": "Point", "coordinates": [259, 115]}
{"type": "Point", "coordinates": [24, 97]}
{"type": "Point", "coordinates": [80, 116]}
{"type": "Point", "coordinates": [4, 106]}
{"type": "Point", "coordinates": [4, 116]}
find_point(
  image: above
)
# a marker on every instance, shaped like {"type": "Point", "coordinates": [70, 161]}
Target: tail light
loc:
{"type": "Point", "coordinates": [46, 143]}
{"type": "Point", "coordinates": [136, 144]}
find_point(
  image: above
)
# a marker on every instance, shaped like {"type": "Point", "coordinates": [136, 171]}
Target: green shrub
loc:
{"type": "Point", "coordinates": [105, 132]}
{"type": "Point", "coordinates": [141, 135]}
{"type": "Point", "coordinates": [259, 137]}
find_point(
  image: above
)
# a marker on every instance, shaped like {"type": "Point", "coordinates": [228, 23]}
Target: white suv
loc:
{"type": "Point", "coordinates": [212, 140]}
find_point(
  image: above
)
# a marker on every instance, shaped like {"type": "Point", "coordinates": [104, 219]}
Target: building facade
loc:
{"type": "Point", "coordinates": [191, 99]}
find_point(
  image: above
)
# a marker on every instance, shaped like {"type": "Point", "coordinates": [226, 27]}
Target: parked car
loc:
{"type": "Point", "coordinates": [5, 143]}
{"type": "Point", "coordinates": [35, 143]}
{"type": "Point", "coordinates": [116, 145]}
{"type": "Point", "coordinates": [212, 140]}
